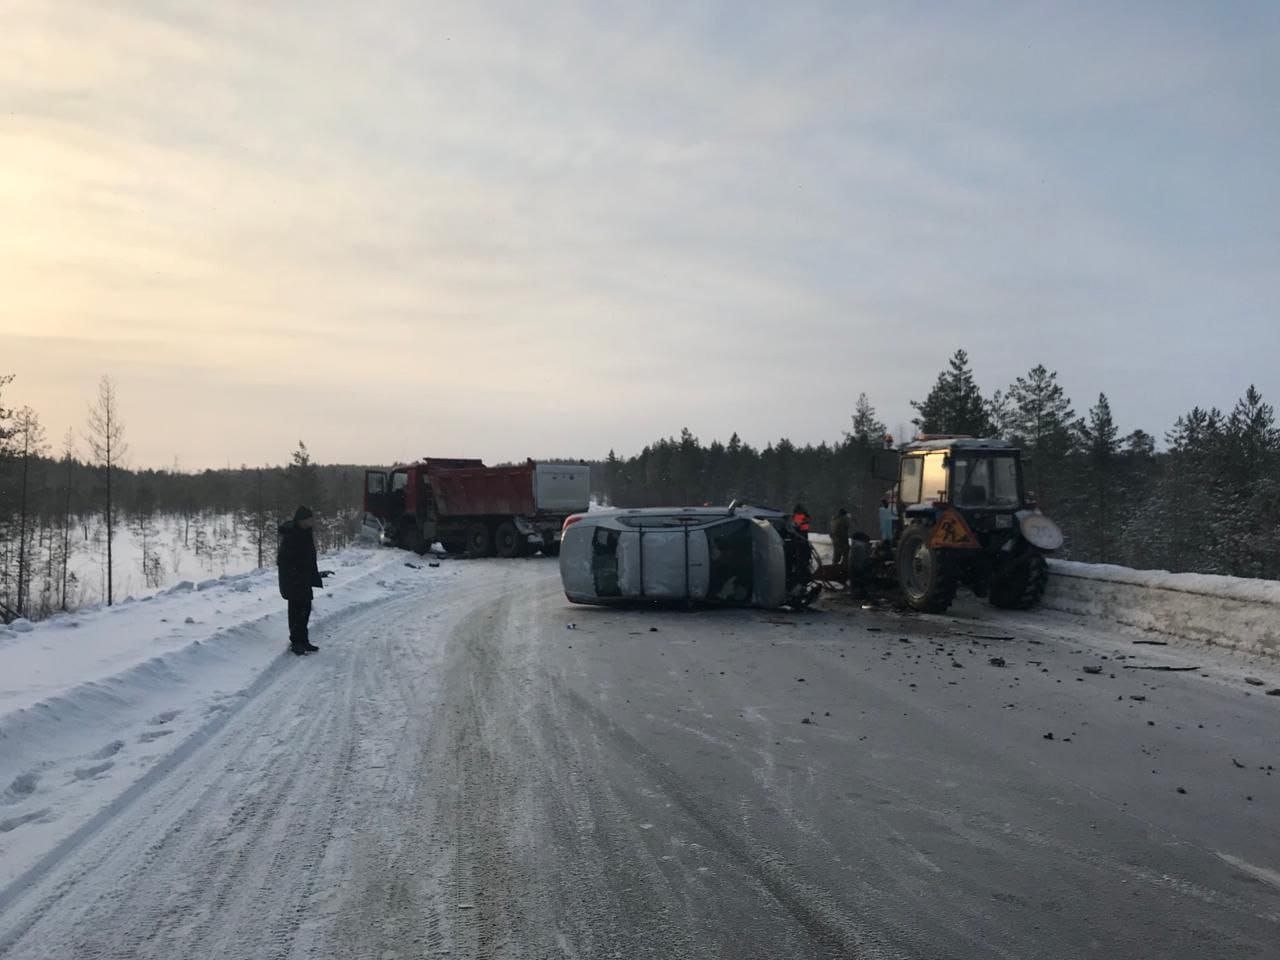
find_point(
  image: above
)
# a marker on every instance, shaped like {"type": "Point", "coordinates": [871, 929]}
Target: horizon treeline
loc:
{"type": "Point", "coordinates": [1208, 501]}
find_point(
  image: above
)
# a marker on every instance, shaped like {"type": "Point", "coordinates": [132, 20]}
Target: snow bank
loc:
{"type": "Point", "coordinates": [1217, 611]}
{"type": "Point", "coordinates": [90, 701]}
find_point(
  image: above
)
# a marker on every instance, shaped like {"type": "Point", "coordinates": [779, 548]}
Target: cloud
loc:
{"type": "Point", "coordinates": [501, 232]}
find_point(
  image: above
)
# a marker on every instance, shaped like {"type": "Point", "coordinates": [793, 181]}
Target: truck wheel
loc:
{"type": "Point", "coordinates": [1021, 586]}
{"type": "Point", "coordinates": [508, 540]}
{"type": "Point", "coordinates": [478, 542]}
{"type": "Point", "coordinates": [410, 538]}
{"type": "Point", "coordinates": [551, 549]}
{"type": "Point", "coordinates": [927, 577]}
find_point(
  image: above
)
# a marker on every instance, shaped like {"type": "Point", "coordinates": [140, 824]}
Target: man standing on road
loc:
{"type": "Point", "coordinates": [299, 572]}
{"type": "Point", "coordinates": [840, 538]}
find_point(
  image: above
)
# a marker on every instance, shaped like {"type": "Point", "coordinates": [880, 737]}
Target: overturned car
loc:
{"type": "Point", "coordinates": [730, 556]}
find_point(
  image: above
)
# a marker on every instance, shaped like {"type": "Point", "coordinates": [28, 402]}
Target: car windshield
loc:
{"type": "Point", "coordinates": [985, 481]}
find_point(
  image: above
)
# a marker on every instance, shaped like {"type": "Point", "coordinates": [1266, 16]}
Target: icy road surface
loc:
{"type": "Point", "coordinates": [473, 768]}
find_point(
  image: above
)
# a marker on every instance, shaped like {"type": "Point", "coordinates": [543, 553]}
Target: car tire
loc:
{"type": "Point", "coordinates": [926, 576]}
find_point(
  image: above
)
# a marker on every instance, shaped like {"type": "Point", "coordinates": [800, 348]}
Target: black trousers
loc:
{"type": "Point", "coordinates": [299, 616]}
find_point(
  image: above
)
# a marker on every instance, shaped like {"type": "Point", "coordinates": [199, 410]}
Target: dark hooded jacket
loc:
{"type": "Point", "coordinates": [296, 559]}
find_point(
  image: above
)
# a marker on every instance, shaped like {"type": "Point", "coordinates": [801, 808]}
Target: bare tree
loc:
{"type": "Point", "coordinates": [28, 445]}
{"type": "Point", "coordinates": [106, 442]}
{"type": "Point", "coordinates": [68, 461]}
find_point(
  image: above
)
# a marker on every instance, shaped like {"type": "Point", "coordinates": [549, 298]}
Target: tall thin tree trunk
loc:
{"type": "Point", "coordinates": [22, 535]}
{"type": "Point", "coordinates": [66, 536]}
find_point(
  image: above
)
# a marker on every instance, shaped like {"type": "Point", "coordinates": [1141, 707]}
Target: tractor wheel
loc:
{"type": "Point", "coordinates": [478, 541]}
{"type": "Point", "coordinates": [507, 540]}
{"type": "Point", "coordinates": [1021, 586]}
{"type": "Point", "coordinates": [927, 577]}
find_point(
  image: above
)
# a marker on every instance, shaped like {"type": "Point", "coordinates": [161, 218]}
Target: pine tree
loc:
{"type": "Point", "coordinates": [955, 404]}
{"type": "Point", "coordinates": [302, 479]}
{"type": "Point", "coordinates": [1039, 418]}
{"type": "Point", "coordinates": [1099, 440]}
{"type": "Point", "coordinates": [868, 430]}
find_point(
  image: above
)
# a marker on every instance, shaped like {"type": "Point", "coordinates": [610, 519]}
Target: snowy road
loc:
{"type": "Point", "coordinates": [458, 773]}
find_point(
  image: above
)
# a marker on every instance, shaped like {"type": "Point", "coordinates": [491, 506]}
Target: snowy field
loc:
{"type": "Point", "coordinates": [207, 546]}
{"type": "Point", "coordinates": [92, 701]}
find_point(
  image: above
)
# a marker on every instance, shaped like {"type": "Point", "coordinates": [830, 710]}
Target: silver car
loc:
{"type": "Point", "coordinates": [715, 555]}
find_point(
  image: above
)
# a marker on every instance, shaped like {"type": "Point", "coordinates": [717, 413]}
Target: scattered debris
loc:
{"type": "Point", "coordinates": [990, 636]}
{"type": "Point", "coordinates": [875, 629]}
{"type": "Point", "coordinates": [653, 629]}
{"type": "Point", "coordinates": [1274, 693]}
{"type": "Point", "coordinates": [1136, 696]}
{"type": "Point", "coordinates": [1152, 643]}
{"type": "Point", "coordinates": [1182, 789]}
{"type": "Point", "coordinates": [799, 679]}
{"type": "Point", "coordinates": [434, 563]}
{"type": "Point", "coordinates": [1165, 669]}
{"type": "Point", "coordinates": [806, 720]}
{"type": "Point", "coordinates": [1049, 735]}
{"type": "Point", "coordinates": [1253, 681]}
{"type": "Point", "coordinates": [958, 664]}
{"type": "Point", "coordinates": [1093, 670]}
{"type": "Point", "coordinates": [412, 566]}
{"type": "Point", "coordinates": [996, 661]}
{"type": "Point", "coordinates": [571, 626]}
{"type": "Point", "coordinates": [1237, 764]}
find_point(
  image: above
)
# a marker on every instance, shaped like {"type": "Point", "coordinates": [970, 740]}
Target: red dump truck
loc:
{"type": "Point", "coordinates": [477, 510]}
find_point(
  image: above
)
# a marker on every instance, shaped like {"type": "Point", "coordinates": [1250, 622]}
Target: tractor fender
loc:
{"type": "Point", "coordinates": [1039, 531]}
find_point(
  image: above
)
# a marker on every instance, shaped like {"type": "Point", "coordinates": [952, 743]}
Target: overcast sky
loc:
{"type": "Point", "coordinates": [396, 230]}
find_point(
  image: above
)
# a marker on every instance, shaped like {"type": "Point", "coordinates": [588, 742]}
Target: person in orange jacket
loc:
{"type": "Point", "coordinates": [800, 517]}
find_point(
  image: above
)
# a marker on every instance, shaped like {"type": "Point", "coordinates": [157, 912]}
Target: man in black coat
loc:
{"type": "Point", "coordinates": [299, 572]}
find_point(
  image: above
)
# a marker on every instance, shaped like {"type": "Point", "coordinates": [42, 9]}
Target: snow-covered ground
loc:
{"type": "Point", "coordinates": [92, 701]}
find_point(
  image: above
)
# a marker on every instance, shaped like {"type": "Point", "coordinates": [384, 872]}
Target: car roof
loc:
{"type": "Point", "coordinates": [709, 513]}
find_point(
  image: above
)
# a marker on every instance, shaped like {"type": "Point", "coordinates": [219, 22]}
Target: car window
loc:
{"type": "Point", "coordinates": [604, 562]}
{"type": "Point", "coordinates": [731, 563]}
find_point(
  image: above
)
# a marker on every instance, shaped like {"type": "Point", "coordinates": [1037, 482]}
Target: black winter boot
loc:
{"type": "Point", "coordinates": [309, 646]}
